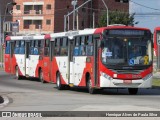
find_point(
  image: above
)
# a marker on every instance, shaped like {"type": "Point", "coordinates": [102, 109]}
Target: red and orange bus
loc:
{"type": "Point", "coordinates": [25, 55]}
{"type": "Point", "coordinates": [108, 57]}
{"type": "Point", "coordinates": [102, 58]}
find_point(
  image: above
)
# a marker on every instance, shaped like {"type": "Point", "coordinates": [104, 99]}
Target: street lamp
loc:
{"type": "Point", "coordinates": [3, 33]}
{"type": "Point", "coordinates": [11, 3]}
{"type": "Point", "coordinates": [107, 11]}
{"type": "Point", "coordinates": [74, 3]}
{"type": "Point", "coordinates": [4, 19]}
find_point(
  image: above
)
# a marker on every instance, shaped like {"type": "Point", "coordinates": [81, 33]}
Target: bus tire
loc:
{"type": "Point", "coordinates": [133, 91]}
{"type": "Point", "coordinates": [58, 82]}
{"type": "Point", "coordinates": [41, 76]}
{"type": "Point", "coordinates": [91, 90]}
{"type": "Point", "coordinates": [18, 77]}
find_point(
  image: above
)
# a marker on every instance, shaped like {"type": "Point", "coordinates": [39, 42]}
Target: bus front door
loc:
{"type": "Point", "coordinates": [96, 41]}
{"type": "Point", "coordinates": [12, 64]}
{"type": "Point", "coordinates": [70, 63]}
{"type": "Point", "coordinates": [27, 60]}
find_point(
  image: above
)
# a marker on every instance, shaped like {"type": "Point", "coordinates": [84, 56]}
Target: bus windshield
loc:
{"type": "Point", "coordinates": [127, 51]}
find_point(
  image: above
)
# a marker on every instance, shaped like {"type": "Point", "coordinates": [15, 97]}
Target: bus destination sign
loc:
{"type": "Point", "coordinates": [126, 32]}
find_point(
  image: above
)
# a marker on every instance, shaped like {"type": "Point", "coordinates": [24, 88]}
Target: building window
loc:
{"type": "Point", "coordinates": [38, 24]}
{"type": "Point", "coordinates": [27, 9]}
{"type": "Point", "coordinates": [18, 7]}
{"type": "Point", "coordinates": [48, 22]}
{"type": "Point", "coordinates": [27, 23]}
{"type": "Point", "coordinates": [49, 7]}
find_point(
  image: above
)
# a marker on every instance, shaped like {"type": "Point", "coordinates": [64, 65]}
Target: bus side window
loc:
{"type": "Point", "coordinates": [36, 48]}
{"type": "Point", "coordinates": [17, 44]}
{"type": "Point", "coordinates": [32, 48]}
{"type": "Point", "coordinates": [46, 48]}
{"type": "Point", "coordinates": [57, 46]}
{"type": "Point", "coordinates": [40, 46]}
{"type": "Point", "coordinates": [7, 50]}
{"type": "Point", "coordinates": [89, 46]}
{"type": "Point", "coordinates": [21, 48]}
{"type": "Point", "coordinates": [39, 43]}
{"type": "Point", "coordinates": [82, 46]}
{"type": "Point", "coordinates": [76, 48]}
{"type": "Point", "coordinates": [64, 47]}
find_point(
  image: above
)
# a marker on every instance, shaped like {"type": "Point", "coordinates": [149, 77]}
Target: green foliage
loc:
{"type": "Point", "coordinates": [156, 82]}
{"type": "Point", "coordinates": [116, 17]}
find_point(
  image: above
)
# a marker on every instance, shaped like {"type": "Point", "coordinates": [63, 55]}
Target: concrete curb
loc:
{"type": "Point", "coordinates": [5, 101]}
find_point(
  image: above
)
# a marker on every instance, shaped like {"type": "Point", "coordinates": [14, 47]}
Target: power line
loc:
{"type": "Point", "coordinates": [144, 6]}
{"type": "Point", "coordinates": [148, 13]}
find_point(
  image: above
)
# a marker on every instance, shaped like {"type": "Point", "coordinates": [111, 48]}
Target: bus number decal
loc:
{"type": "Point", "coordinates": [108, 54]}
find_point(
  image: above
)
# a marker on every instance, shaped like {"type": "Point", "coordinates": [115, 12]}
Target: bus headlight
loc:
{"type": "Point", "coordinates": [147, 76]}
{"type": "Point", "coordinates": [106, 76]}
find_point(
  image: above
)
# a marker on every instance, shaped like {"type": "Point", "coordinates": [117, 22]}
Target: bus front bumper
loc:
{"type": "Point", "coordinates": [119, 83]}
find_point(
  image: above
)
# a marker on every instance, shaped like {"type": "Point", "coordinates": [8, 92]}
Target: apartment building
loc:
{"type": "Point", "coordinates": [47, 16]}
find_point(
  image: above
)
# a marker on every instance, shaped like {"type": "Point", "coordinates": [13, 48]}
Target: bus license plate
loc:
{"type": "Point", "coordinates": [127, 81]}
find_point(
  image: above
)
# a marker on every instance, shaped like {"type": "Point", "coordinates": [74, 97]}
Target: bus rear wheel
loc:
{"type": "Point", "coordinates": [18, 77]}
{"type": "Point", "coordinates": [41, 76]}
{"type": "Point", "coordinates": [133, 91]}
{"type": "Point", "coordinates": [58, 82]}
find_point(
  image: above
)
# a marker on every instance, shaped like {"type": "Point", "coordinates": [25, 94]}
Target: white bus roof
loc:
{"type": "Point", "coordinates": [71, 34]}
{"type": "Point", "coordinates": [36, 37]}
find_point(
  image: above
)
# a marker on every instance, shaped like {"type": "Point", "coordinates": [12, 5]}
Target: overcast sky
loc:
{"type": "Point", "coordinates": [146, 11]}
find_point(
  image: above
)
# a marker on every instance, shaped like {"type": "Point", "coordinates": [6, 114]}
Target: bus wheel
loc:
{"type": "Point", "coordinates": [41, 76]}
{"type": "Point", "coordinates": [91, 90]}
{"type": "Point", "coordinates": [58, 82]}
{"type": "Point", "coordinates": [18, 77]}
{"type": "Point", "coordinates": [133, 91]}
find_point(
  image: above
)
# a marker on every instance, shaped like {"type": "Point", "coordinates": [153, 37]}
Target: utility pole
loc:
{"type": "Point", "coordinates": [65, 16]}
{"type": "Point", "coordinates": [107, 11]}
{"type": "Point", "coordinates": [68, 22]}
{"type": "Point", "coordinates": [93, 19]}
{"type": "Point", "coordinates": [77, 20]}
{"type": "Point", "coordinates": [4, 20]}
{"type": "Point", "coordinates": [65, 22]}
{"type": "Point", "coordinates": [74, 3]}
{"type": "Point", "coordinates": [0, 25]}
{"type": "Point", "coordinates": [1, 50]}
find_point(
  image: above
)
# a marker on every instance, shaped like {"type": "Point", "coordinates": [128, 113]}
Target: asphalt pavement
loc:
{"type": "Point", "coordinates": [156, 75]}
{"type": "Point", "coordinates": [31, 95]}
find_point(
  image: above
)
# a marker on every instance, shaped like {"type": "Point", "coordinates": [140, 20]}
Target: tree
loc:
{"type": "Point", "coordinates": [116, 17]}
